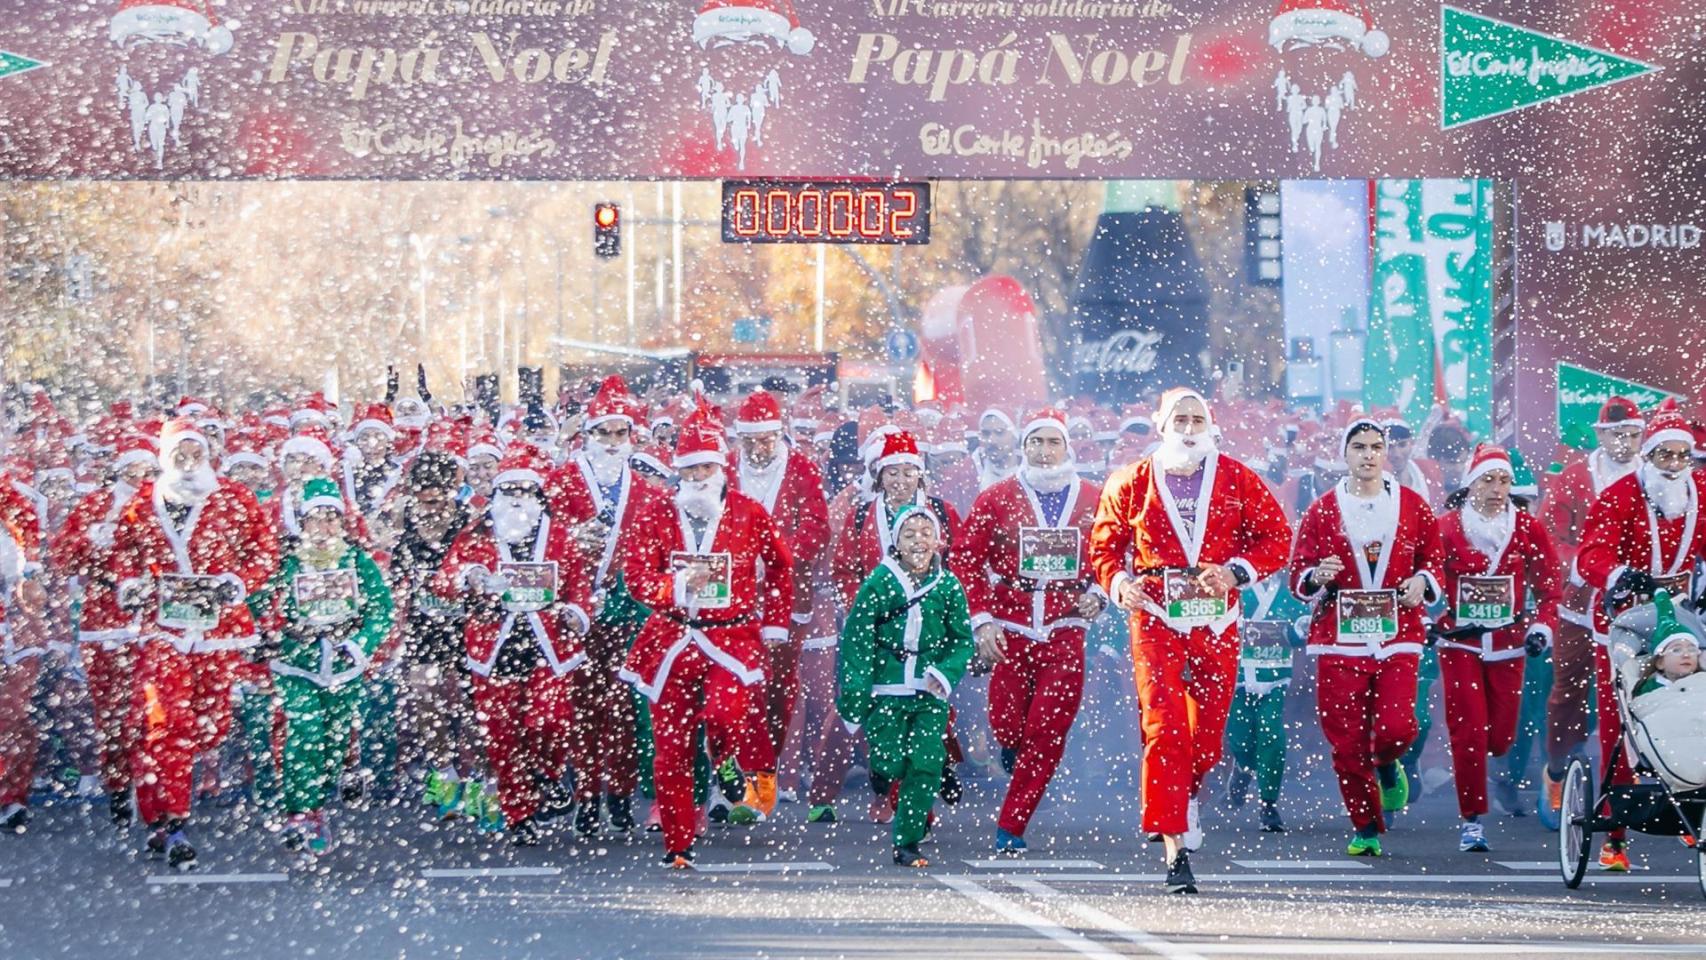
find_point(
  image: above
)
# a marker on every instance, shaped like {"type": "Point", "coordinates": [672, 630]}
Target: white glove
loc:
{"type": "Point", "coordinates": [101, 535]}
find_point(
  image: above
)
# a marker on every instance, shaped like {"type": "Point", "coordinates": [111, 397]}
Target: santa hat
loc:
{"type": "Point", "coordinates": [1667, 629]}
{"type": "Point", "coordinates": [998, 414]}
{"type": "Point", "coordinates": [176, 431]}
{"type": "Point", "coordinates": [376, 417]}
{"type": "Point", "coordinates": [612, 402]}
{"type": "Point", "coordinates": [807, 410]}
{"type": "Point", "coordinates": [1088, 456]}
{"type": "Point", "coordinates": [899, 448]}
{"type": "Point", "coordinates": [315, 409]}
{"type": "Point", "coordinates": [190, 407]}
{"type": "Point", "coordinates": [1357, 425]}
{"type": "Point", "coordinates": [1105, 427]}
{"type": "Point", "coordinates": [1619, 412]}
{"type": "Point", "coordinates": [1488, 458]}
{"type": "Point", "coordinates": [313, 442]}
{"type": "Point", "coordinates": [699, 441]}
{"type": "Point", "coordinates": [245, 446]}
{"type": "Point", "coordinates": [654, 457]}
{"type": "Point", "coordinates": [321, 493]}
{"type": "Point", "coordinates": [1667, 425]}
{"type": "Point", "coordinates": [134, 448]}
{"type": "Point", "coordinates": [949, 435]}
{"type": "Point", "coordinates": [1172, 398]}
{"type": "Point", "coordinates": [760, 412]}
{"type": "Point", "coordinates": [1313, 23]}
{"type": "Point", "coordinates": [485, 444]}
{"type": "Point", "coordinates": [722, 22]}
{"type": "Point", "coordinates": [169, 21]}
{"type": "Point", "coordinates": [1046, 417]}
{"type": "Point", "coordinates": [524, 464]}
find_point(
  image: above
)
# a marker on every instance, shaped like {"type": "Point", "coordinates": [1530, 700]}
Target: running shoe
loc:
{"type": "Point", "coordinates": [1193, 826]}
{"type": "Point", "coordinates": [1238, 787]}
{"type": "Point", "coordinates": [1180, 879]}
{"type": "Point", "coordinates": [15, 817]}
{"type": "Point", "coordinates": [1614, 857]}
{"type": "Point", "coordinates": [822, 813]}
{"type": "Point", "coordinates": [621, 810]}
{"type": "Point", "coordinates": [1552, 799]}
{"type": "Point", "coordinates": [1361, 846]}
{"type": "Point", "coordinates": [680, 860]}
{"type": "Point", "coordinates": [1397, 796]}
{"type": "Point", "coordinates": [910, 857]}
{"type": "Point", "coordinates": [1473, 839]}
{"type": "Point", "coordinates": [179, 854]}
{"type": "Point", "coordinates": [1007, 842]}
{"type": "Point", "coordinates": [1271, 822]}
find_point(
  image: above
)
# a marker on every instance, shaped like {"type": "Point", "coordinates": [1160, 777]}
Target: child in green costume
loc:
{"type": "Point", "coordinates": [906, 642]}
{"type": "Point", "coordinates": [324, 613]}
{"type": "Point", "coordinates": [1255, 731]}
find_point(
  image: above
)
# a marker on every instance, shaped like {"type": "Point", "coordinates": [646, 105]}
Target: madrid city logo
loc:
{"type": "Point", "coordinates": [1323, 45]}
{"type": "Point", "coordinates": [746, 43]}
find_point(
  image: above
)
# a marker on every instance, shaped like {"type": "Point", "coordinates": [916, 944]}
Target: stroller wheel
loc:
{"type": "Point", "coordinates": [1575, 825]}
{"type": "Point", "coordinates": [1700, 860]}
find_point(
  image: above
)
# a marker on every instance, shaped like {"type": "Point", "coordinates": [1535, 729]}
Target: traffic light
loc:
{"type": "Point", "coordinates": [606, 230]}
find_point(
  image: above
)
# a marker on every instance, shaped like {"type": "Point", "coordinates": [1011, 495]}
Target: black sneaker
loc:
{"type": "Point", "coordinates": [120, 810]}
{"type": "Point", "coordinates": [1179, 876]}
{"type": "Point", "coordinates": [621, 813]}
{"type": "Point", "coordinates": [1009, 759]}
{"type": "Point", "coordinates": [910, 857]}
{"type": "Point", "coordinates": [586, 819]}
{"type": "Point", "coordinates": [156, 845]}
{"type": "Point", "coordinates": [524, 834]}
{"type": "Point", "coordinates": [681, 860]}
{"type": "Point", "coordinates": [555, 801]}
{"type": "Point", "coordinates": [15, 818]}
{"type": "Point", "coordinates": [179, 854]}
{"type": "Point", "coordinates": [951, 791]}
{"type": "Point", "coordinates": [1271, 822]}
{"type": "Point", "coordinates": [353, 787]}
{"type": "Point", "coordinates": [731, 781]}
{"type": "Point", "coordinates": [1238, 787]}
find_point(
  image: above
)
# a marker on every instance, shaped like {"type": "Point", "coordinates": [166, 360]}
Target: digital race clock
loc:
{"type": "Point", "coordinates": [818, 211]}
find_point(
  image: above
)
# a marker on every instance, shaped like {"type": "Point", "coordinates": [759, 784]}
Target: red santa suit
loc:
{"type": "Point", "coordinates": [1035, 689]}
{"type": "Point", "coordinates": [864, 542]}
{"type": "Point", "coordinates": [1565, 512]}
{"type": "Point", "coordinates": [603, 749]}
{"type": "Point", "coordinates": [1482, 673]}
{"type": "Point", "coordinates": [520, 652]}
{"type": "Point", "coordinates": [20, 654]}
{"type": "Point", "coordinates": [791, 491]}
{"type": "Point", "coordinates": [1234, 522]}
{"type": "Point", "coordinates": [698, 653]}
{"type": "Point", "coordinates": [184, 681]}
{"type": "Point", "coordinates": [107, 633]}
{"type": "Point", "coordinates": [1366, 687]}
{"type": "Point", "coordinates": [1625, 531]}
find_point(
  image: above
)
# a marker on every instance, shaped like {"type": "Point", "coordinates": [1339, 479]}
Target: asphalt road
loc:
{"type": "Point", "coordinates": [397, 886]}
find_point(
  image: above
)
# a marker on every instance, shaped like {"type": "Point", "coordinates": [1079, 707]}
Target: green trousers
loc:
{"type": "Point", "coordinates": [1255, 736]}
{"type": "Point", "coordinates": [379, 732]}
{"type": "Point", "coordinates": [317, 723]}
{"type": "Point", "coordinates": [905, 737]}
{"type": "Point", "coordinates": [255, 709]}
{"type": "Point", "coordinates": [1531, 717]}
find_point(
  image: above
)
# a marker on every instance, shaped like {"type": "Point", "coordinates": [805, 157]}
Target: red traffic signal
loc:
{"type": "Point", "coordinates": [606, 230]}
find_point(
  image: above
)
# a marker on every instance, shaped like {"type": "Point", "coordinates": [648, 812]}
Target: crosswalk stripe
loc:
{"type": "Point", "coordinates": [1361, 879]}
{"type": "Point", "coordinates": [804, 866]}
{"type": "Point", "coordinates": [1028, 864]}
{"type": "Point", "coordinates": [453, 873]}
{"type": "Point", "coordinates": [1111, 923]}
{"type": "Point", "coordinates": [1015, 914]}
{"type": "Point", "coordinates": [1303, 865]}
{"type": "Point", "coordinates": [1528, 864]}
{"type": "Point", "coordinates": [195, 879]}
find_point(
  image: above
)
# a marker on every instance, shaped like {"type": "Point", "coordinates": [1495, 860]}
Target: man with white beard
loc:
{"type": "Point", "coordinates": [719, 581]}
{"type": "Point", "coordinates": [1642, 534]}
{"type": "Point", "coordinates": [186, 551]}
{"type": "Point", "coordinates": [1197, 526]}
{"type": "Point", "coordinates": [1023, 560]}
{"type": "Point", "coordinates": [602, 502]}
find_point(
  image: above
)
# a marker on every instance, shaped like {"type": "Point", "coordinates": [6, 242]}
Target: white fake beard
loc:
{"type": "Point", "coordinates": [515, 518]}
{"type": "Point", "coordinates": [1488, 534]}
{"type": "Point", "coordinates": [191, 487]}
{"type": "Point", "coordinates": [1049, 479]}
{"type": "Point", "coordinates": [1179, 452]}
{"type": "Point", "coordinates": [701, 499]}
{"type": "Point", "coordinates": [607, 462]}
{"type": "Point", "coordinates": [1669, 494]}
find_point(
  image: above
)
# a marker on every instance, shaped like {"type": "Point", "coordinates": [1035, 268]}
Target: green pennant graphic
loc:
{"type": "Point", "coordinates": [11, 63]}
{"type": "Point", "coordinates": [1489, 67]}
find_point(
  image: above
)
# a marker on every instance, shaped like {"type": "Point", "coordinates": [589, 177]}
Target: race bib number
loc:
{"type": "Point", "coordinates": [188, 602]}
{"type": "Point", "coordinates": [1266, 643]}
{"type": "Point", "coordinates": [1188, 604]}
{"type": "Point", "coordinates": [1486, 601]}
{"type": "Point", "coordinates": [326, 596]}
{"type": "Point", "coordinates": [1049, 553]}
{"type": "Point", "coordinates": [532, 586]}
{"type": "Point", "coordinates": [715, 594]}
{"type": "Point", "coordinates": [1368, 616]}
{"type": "Point", "coordinates": [1680, 585]}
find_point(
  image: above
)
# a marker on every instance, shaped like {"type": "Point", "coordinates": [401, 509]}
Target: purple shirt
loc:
{"type": "Point", "coordinates": [1185, 491]}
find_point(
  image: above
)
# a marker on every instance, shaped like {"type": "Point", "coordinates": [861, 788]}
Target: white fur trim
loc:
{"type": "Point", "coordinates": [941, 678]}
{"type": "Point", "coordinates": [371, 424]}
{"type": "Point", "coordinates": [757, 426]}
{"type": "Point", "coordinates": [336, 503]}
{"type": "Point", "coordinates": [238, 459]}
{"type": "Point", "coordinates": [1671, 435]}
{"type": "Point", "coordinates": [486, 450]}
{"type": "Point", "coordinates": [898, 458]}
{"type": "Point", "coordinates": [1042, 422]}
{"type": "Point", "coordinates": [309, 446]}
{"type": "Point", "coordinates": [704, 456]}
{"type": "Point", "coordinates": [1488, 466]}
{"type": "Point", "coordinates": [518, 476]}
{"type": "Point", "coordinates": [129, 457]}
{"type": "Point", "coordinates": [774, 634]}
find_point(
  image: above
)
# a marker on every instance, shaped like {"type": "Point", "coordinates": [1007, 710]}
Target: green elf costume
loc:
{"type": "Point", "coordinates": [1274, 625]}
{"type": "Point", "coordinates": [906, 642]}
{"type": "Point", "coordinates": [324, 613]}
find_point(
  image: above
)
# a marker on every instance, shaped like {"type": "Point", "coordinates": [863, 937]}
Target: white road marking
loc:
{"type": "Point", "coordinates": [187, 879]}
{"type": "Point", "coordinates": [1361, 879]}
{"type": "Point", "coordinates": [1010, 863]}
{"type": "Point", "coordinates": [1528, 864]}
{"type": "Point", "coordinates": [4, 883]}
{"type": "Point", "coordinates": [1110, 923]}
{"type": "Point", "coordinates": [1303, 865]}
{"type": "Point", "coordinates": [1015, 914]}
{"type": "Point", "coordinates": [801, 866]}
{"type": "Point", "coordinates": [452, 873]}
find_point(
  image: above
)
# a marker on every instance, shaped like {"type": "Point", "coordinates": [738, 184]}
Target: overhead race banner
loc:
{"type": "Point", "coordinates": [593, 89]}
{"type": "Point", "coordinates": [1581, 392]}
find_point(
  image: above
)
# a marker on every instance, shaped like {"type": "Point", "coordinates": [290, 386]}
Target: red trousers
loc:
{"type": "Point", "coordinates": [18, 735]}
{"type": "Point", "coordinates": [601, 745]}
{"type": "Point", "coordinates": [1184, 720]}
{"type": "Point", "coordinates": [527, 722]}
{"type": "Point", "coordinates": [697, 691]}
{"type": "Point", "coordinates": [832, 748]}
{"type": "Point", "coordinates": [770, 708]}
{"type": "Point", "coordinates": [182, 703]}
{"type": "Point", "coordinates": [1368, 715]}
{"type": "Point", "coordinates": [1483, 701]}
{"type": "Point", "coordinates": [112, 693]}
{"type": "Point", "coordinates": [1567, 704]}
{"type": "Point", "coordinates": [1033, 699]}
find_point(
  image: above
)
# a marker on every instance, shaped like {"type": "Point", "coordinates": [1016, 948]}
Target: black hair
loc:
{"type": "Point", "coordinates": [1450, 443]}
{"type": "Point", "coordinates": [433, 469]}
{"type": "Point", "coordinates": [1361, 427]}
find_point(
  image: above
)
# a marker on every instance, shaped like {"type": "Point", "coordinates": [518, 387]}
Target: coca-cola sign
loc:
{"type": "Point", "coordinates": [1132, 352]}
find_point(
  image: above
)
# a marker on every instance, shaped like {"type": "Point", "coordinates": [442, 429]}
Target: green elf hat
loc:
{"type": "Point", "coordinates": [907, 512]}
{"type": "Point", "coordinates": [1525, 484]}
{"type": "Point", "coordinates": [1668, 630]}
{"type": "Point", "coordinates": [320, 493]}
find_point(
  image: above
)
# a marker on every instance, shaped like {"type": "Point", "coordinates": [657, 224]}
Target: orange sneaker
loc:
{"type": "Point", "coordinates": [1614, 857]}
{"type": "Point", "coordinates": [1554, 794]}
{"type": "Point", "coordinates": [1688, 841]}
{"type": "Point", "coordinates": [759, 802]}
{"type": "Point", "coordinates": [679, 861]}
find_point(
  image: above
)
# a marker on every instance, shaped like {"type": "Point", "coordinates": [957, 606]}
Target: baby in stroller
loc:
{"type": "Point", "coordinates": [1664, 694]}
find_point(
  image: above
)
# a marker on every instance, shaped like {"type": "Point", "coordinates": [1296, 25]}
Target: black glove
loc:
{"type": "Point", "coordinates": [227, 593]}
{"type": "Point", "coordinates": [136, 597]}
{"type": "Point", "coordinates": [420, 383]}
{"type": "Point", "coordinates": [1634, 582]}
{"type": "Point", "coordinates": [1535, 643]}
{"type": "Point", "coordinates": [390, 384]}
{"type": "Point", "coordinates": [271, 645]}
{"type": "Point", "coordinates": [1431, 634]}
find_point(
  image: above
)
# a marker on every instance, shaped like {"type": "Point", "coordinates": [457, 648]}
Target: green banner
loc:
{"type": "Point", "coordinates": [1489, 67]}
{"type": "Point", "coordinates": [1431, 306]}
{"type": "Point", "coordinates": [1581, 392]}
{"type": "Point", "coordinates": [11, 63]}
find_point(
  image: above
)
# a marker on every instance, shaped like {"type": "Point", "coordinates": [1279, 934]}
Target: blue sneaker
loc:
{"type": "Point", "coordinates": [1008, 843]}
{"type": "Point", "coordinates": [1473, 839]}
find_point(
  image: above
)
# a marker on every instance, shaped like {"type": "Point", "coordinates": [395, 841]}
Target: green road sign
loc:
{"type": "Point", "coordinates": [11, 63]}
{"type": "Point", "coordinates": [1582, 391]}
{"type": "Point", "coordinates": [1489, 67]}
